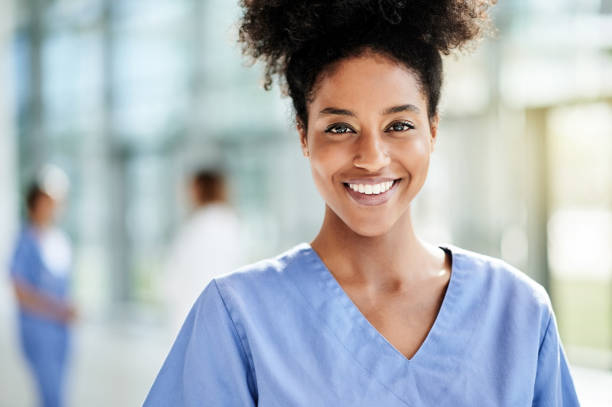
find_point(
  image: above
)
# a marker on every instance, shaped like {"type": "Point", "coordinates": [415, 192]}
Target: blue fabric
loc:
{"type": "Point", "coordinates": [29, 266]}
{"type": "Point", "coordinates": [45, 342]}
{"type": "Point", "coordinates": [282, 332]}
{"type": "Point", "coordinates": [45, 345]}
{"type": "Point", "coordinates": [27, 260]}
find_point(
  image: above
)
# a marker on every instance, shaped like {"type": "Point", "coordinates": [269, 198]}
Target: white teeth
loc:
{"type": "Point", "coordinates": [370, 189]}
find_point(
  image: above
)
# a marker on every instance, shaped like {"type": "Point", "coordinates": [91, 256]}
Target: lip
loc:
{"type": "Point", "coordinates": [371, 200]}
{"type": "Point", "coordinates": [371, 180]}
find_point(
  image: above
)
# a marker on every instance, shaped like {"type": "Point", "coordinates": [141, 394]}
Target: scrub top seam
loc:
{"type": "Point", "coordinates": [545, 333]}
{"type": "Point", "coordinates": [369, 372]}
{"type": "Point", "coordinates": [248, 355]}
{"type": "Point", "coordinates": [442, 318]}
{"type": "Point", "coordinates": [462, 372]}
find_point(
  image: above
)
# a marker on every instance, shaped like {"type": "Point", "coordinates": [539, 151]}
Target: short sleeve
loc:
{"type": "Point", "coordinates": [207, 365]}
{"type": "Point", "coordinates": [25, 263]}
{"type": "Point", "coordinates": [554, 386]}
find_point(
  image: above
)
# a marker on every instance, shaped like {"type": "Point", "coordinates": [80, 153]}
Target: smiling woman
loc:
{"type": "Point", "coordinates": [367, 313]}
{"type": "Point", "coordinates": [362, 137]}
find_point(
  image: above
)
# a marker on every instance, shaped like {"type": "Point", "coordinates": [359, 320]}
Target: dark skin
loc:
{"type": "Point", "coordinates": [368, 124]}
{"type": "Point", "coordinates": [41, 216]}
{"type": "Point", "coordinates": [199, 199]}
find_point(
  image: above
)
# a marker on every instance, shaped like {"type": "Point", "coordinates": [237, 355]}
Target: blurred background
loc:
{"type": "Point", "coordinates": [130, 96]}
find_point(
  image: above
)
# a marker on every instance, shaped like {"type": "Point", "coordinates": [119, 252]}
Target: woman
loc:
{"type": "Point", "coordinates": [367, 314]}
{"type": "Point", "coordinates": [40, 272]}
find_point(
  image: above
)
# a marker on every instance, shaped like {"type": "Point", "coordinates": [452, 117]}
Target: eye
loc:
{"type": "Point", "coordinates": [400, 126]}
{"type": "Point", "coordinates": [339, 128]}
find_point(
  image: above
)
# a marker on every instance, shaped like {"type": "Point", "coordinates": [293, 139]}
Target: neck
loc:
{"type": "Point", "coordinates": [38, 224]}
{"type": "Point", "coordinates": [397, 256]}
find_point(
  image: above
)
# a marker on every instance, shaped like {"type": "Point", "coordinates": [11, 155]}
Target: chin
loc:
{"type": "Point", "coordinates": [367, 229]}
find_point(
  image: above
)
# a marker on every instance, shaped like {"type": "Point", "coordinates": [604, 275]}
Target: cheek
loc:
{"type": "Point", "coordinates": [416, 153]}
{"type": "Point", "coordinates": [325, 163]}
{"type": "Point", "coordinates": [420, 154]}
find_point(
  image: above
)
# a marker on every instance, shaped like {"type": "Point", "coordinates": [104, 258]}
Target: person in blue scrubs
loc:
{"type": "Point", "coordinates": [367, 314]}
{"type": "Point", "coordinates": [40, 272]}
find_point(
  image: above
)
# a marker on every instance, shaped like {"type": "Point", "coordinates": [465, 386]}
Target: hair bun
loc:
{"type": "Point", "coordinates": [278, 26]}
{"type": "Point", "coordinates": [274, 30]}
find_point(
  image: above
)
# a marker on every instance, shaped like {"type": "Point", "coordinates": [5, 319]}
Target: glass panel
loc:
{"type": "Point", "coordinates": [149, 189]}
{"type": "Point", "coordinates": [580, 228]}
{"type": "Point", "coordinates": [72, 82]}
{"type": "Point", "coordinates": [150, 72]}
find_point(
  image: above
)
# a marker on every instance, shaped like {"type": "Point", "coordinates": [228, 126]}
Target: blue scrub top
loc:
{"type": "Point", "coordinates": [42, 259]}
{"type": "Point", "coordinates": [282, 332]}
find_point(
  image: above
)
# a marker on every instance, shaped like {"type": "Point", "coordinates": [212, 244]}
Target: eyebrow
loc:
{"type": "Point", "coordinates": [402, 108]}
{"type": "Point", "coordinates": [337, 111]}
{"type": "Point", "coordinates": [394, 109]}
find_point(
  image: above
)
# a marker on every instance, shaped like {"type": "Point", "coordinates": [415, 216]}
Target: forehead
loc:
{"type": "Point", "coordinates": [43, 199]}
{"type": "Point", "coordinates": [366, 82]}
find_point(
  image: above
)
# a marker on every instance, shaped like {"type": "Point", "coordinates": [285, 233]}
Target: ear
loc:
{"type": "Point", "coordinates": [433, 129]}
{"type": "Point", "coordinates": [303, 139]}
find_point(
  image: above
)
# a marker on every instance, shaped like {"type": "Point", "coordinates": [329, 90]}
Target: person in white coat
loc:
{"type": "Point", "coordinates": [206, 246]}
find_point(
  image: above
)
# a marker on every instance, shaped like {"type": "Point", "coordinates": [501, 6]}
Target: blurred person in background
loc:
{"type": "Point", "coordinates": [206, 246]}
{"type": "Point", "coordinates": [40, 271]}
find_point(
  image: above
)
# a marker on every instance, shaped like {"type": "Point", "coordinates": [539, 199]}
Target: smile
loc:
{"type": "Point", "coordinates": [370, 189]}
{"type": "Point", "coordinates": [371, 194]}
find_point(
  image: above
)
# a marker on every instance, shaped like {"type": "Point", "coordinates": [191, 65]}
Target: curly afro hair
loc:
{"type": "Point", "coordinates": [297, 40]}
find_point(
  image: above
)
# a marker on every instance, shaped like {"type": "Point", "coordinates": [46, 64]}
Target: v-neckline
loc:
{"type": "Point", "coordinates": [364, 321]}
{"type": "Point", "coordinates": [441, 353]}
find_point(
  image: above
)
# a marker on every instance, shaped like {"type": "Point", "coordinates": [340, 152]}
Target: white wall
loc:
{"type": "Point", "coordinates": [8, 151]}
{"type": "Point", "coordinates": [14, 384]}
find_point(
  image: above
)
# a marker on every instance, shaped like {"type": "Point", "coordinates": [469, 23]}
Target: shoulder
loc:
{"type": "Point", "coordinates": [252, 295]}
{"type": "Point", "coordinates": [264, 276]}
{"type": "Point", "coordinates": [499, 279]}
{"type": "Point", "coordinates": [26, 234]}
{"type": "Point", "coordinates": [26, 241]}
{"type": "Point", "coordinates": [26, 254]}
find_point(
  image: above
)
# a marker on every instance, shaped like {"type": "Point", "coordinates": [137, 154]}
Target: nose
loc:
{"type": "Point", "coordinates": [371, 152]}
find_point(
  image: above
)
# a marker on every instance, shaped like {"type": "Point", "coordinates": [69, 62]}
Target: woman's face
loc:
{"type": "Point", "coordinates": [369, 139]}
{"type": "Point", "coordinates": [43, 212]}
